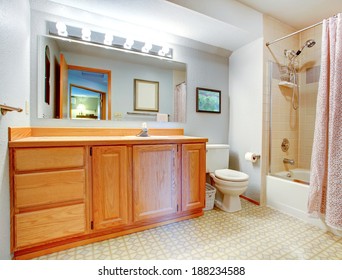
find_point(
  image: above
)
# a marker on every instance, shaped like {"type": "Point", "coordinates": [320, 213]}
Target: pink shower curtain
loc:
{"type": "Point", "coordinates": [325, 196]}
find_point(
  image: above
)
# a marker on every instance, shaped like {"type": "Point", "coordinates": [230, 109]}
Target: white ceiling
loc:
{"type": "Point", "coordinates": [224, 24]}
{"type": "Point", "coordinates": [297, 13]}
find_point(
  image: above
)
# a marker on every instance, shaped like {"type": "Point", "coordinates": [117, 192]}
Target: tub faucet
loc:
{"type": "Point", "coordinates": [289, 161]}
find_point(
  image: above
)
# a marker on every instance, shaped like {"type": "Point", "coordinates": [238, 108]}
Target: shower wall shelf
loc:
{"type": "Point", "coordinates": [4, 109]}
{"type": "Point", "coordinates": [287, 84]}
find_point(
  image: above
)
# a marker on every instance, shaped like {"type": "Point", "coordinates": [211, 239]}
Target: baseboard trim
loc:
{"type": "Point", "coordinates": [250, 200]}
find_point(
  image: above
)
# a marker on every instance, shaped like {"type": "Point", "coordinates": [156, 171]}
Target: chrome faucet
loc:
{"type": "Point", "coordinates": [144, 131]}
{"type": "Point", "coordinates": [289, 161]}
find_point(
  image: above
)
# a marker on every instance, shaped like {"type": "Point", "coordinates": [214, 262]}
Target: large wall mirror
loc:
{"type": "Point", "coordinates": [96, 83]}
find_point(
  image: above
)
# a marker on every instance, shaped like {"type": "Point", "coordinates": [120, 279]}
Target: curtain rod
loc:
{"type": "Point", "coordinates": [294, 33]}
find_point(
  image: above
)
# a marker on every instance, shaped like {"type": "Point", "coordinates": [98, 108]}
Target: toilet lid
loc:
{"type": "Point", "coordinates": [231, 175]}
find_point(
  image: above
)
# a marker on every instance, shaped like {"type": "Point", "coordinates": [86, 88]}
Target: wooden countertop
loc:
{"type": "Point", "coordinates": [102, 140]}
{"type": "Point", "coordinates": [61, 136]}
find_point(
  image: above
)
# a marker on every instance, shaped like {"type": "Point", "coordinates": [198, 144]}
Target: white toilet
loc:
{"type": "Point", "coordinates": [229, 183]}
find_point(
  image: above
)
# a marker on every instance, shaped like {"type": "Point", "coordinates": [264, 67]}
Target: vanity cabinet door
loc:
{"type": "Point", "coordinates": [193, 176]}
{"type": "Point", "coordinates": [155, 183]}
{"type": "Point", "coordinates": [110, 188]}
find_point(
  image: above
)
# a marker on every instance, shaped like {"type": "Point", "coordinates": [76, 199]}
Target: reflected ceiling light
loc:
{"type": "Point", "coordinates": [108, 40]}
{"type": "Point", "coordinates": [86, 33]}
{"type": "Point", "coordinates": [129, 43]}
{"type": "Point", "coordinates": [146, 48]}
{"type": "Point", "coordinates": [61, 29]}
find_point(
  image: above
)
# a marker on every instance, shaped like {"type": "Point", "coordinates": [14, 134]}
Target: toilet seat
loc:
{"type": "Point", "coordinates": [231, 175]}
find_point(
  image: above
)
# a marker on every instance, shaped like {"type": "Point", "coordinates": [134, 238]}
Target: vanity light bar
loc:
{"type": "Point", "coordinates": [107, 39]}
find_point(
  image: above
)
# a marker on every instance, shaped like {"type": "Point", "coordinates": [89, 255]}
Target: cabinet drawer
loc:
{"type": "Point", "coordinates": [49, 187]}
{"type": "Point", "coordinates": [48, 158]}
{"type": "Point", "coordinates": [49, 224]}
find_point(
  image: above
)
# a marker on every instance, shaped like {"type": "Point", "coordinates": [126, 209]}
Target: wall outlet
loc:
{"type": "Point", "coordinates": [117, 116]}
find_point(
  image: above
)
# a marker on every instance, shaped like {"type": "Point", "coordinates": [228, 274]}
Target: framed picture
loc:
{"type": "Point", "coordinates": [208, 100]}
{"type": "Point", "coordinates": [146, 95]}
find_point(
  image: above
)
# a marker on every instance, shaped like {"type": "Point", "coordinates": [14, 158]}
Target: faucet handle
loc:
{"type": "Point", "coordinates": [289, 161]}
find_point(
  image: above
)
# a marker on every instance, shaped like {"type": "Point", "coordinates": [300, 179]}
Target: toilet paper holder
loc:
{"type": "Point", "coordinates": [252, 157]}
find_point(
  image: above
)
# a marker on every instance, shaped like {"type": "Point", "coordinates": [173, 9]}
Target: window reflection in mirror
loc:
{"type": "Point", "coordinates": [92, 85]}
{"type": "Point", "coordinates": [87, 103]}
{"type": "Point", "coordinates": [122, 69]}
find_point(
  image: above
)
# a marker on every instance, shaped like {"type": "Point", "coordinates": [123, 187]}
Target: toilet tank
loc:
{"type": "Point", "coordinates": [217, 157]}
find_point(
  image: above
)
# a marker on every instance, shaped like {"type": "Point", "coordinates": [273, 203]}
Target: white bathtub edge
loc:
{"type": "Point", "coordinates": [297, 214]}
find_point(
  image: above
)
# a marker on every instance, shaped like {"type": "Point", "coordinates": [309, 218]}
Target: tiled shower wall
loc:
{"type": "Point", "coordinates": [295, 125]}
{"type": "Point", "coordinates": [284, 120]}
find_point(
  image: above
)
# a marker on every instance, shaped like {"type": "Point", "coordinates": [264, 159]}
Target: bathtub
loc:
{"type": "Point", "coordinates": [296, 175]}
{"type": "Point", "coordinates": [288, 192]}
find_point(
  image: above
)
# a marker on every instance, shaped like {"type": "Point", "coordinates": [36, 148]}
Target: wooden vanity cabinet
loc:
{"type": "Point", "coordinates": [69, 194]}
{"type": "Point", "coordinates": [48, 195]}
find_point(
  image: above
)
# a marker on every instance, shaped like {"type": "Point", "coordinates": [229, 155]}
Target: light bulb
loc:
{"type": "Point", "coordinates": [146, 48]}
{"type": "Point", "coordinates": [164, 51]}
{"type": "Point", "coordinates": [86, 33]}
{"type": "Point", "coordinates": [108, 39]}
{"type": "Point", "coordinates": [61, 29]}
{"type": "Point", "coordinates": [129, 43]}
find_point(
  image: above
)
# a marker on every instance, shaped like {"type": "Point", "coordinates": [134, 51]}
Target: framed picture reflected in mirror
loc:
{"type": "Point", "coordinates": [146, 95]}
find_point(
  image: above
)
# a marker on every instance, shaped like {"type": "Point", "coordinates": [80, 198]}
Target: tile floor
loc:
{"type": "Point", "coordinates": [254, 233]}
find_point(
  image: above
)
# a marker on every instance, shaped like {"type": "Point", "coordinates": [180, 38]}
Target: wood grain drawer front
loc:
{"type": "Point", "coordinates": [46, 225]}
{"type": "Point", "coordinates": [48, 158]}
{"type": "Point", "coordinates": [49, 187]}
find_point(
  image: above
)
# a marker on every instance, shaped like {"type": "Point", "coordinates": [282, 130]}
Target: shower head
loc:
{"type": "Point", "coordinates": [309, 43]}
{"type": "Point", "coordinates": [291, 54]}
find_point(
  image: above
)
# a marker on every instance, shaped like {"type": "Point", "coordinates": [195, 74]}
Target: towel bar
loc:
{"type": "Point", "coordinates": [5, 109]}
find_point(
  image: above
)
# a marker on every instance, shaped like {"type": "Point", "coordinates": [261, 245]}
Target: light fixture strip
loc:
{"type": "Point", "coordinates": [108, 40]}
